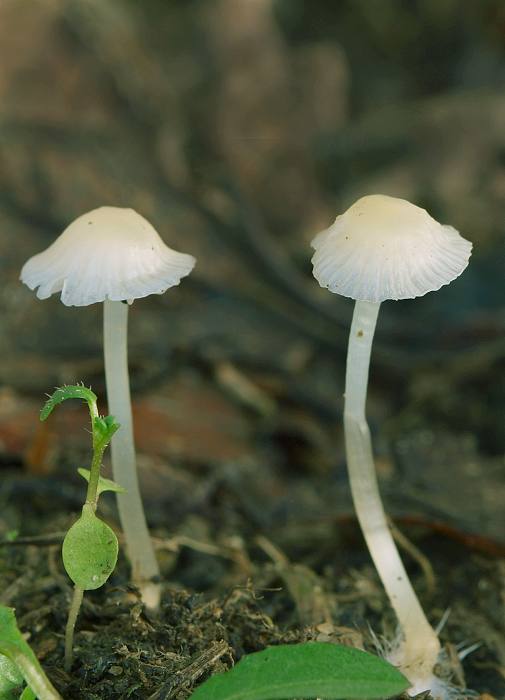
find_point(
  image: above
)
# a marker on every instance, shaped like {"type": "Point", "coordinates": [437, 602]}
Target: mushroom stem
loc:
{"type": "Point", "coordinates": [419, 647]}
{"type": "Point", "coordinates": [131, 512]}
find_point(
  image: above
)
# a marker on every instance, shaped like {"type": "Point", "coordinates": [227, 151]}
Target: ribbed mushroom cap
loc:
{"type": "Point", "coordinates": [387, 248]}
{"type": "Point", "coordinates": [108, 253]}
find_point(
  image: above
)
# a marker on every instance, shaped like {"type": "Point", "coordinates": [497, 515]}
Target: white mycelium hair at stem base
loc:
{"type": "Point", "coordinates": [114, 255]}
{"type": "Point", "coordinates": [385, 248]}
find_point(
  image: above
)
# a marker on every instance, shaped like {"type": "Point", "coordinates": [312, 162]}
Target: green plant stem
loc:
{"type": "Point", "coordinates": [69, 630]}
{"type": "Point", "coordinates": [33, 675]}
{"type": "Point", "coordinates": [96, 462]}
{"type": "Point", "coordinates": [94, 476]}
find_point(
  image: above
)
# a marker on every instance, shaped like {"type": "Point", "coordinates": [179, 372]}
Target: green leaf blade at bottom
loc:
{"type": "Point", "coordinates": [305, 671]}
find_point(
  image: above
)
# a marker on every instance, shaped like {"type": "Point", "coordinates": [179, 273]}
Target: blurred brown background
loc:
{"type": "Point", "coordinates": [240, 128]}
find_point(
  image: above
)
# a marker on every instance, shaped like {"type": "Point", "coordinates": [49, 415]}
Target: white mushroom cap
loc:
{"type": "Point", "coordinates": [108, 253]}
{"type": "Point", "coordinates": [387, 248]}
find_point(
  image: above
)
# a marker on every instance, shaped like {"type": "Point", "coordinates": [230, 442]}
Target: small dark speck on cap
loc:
{"type": "Point", "coordinates": [89, 223]}
{"type": "Point", "coordinates": [359, 334]}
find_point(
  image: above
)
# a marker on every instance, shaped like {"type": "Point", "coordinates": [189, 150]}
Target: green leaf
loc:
{"type": "Point", "coordinates": [103, 483]}
{"type": "Point", "coordinates": [104, 428]}
{"type": "Point", "coordinates": [19, 653]}
{"type": "Point", "coordinates": [7, 694]}
{"type": "Point", "coordinates": [310, 670]}
{"type": "Point", "coordinates": [90, 550]}
{"type": "Point", "coordinates": [67, 392]}
{"type": "Point", "coordinates": [28, 694]}
{"type": "Point", "coordinates": [10, 678]}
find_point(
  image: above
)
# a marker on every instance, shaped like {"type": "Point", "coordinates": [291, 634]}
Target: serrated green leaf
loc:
{"type": "Point", "coordinates": [103, 483]}
{"type": "Point", "coordinates": [310, 670]}
{"type": "Point", "coordinates": [17, 651]}
{"type": "Point", "coordinates": [90, 550]}
{"type": "Point", "coordinates": [67, 392]}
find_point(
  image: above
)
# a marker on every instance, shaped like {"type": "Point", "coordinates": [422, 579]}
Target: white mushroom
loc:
{"type": "Point", "coordinates": [113, 255]}
{"type": "Point", "coordinates": [385, 248]}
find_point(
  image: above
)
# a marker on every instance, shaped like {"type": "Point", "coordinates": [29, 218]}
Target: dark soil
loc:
{"type": "Point", "coordinates": [230, 589]}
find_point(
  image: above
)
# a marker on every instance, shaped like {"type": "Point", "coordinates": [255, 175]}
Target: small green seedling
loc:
{"type": "Point", "coordinates": [310, 670]}
{"type": "Point", "coordinates": [18, 664]}
{"type": "Point", "coordinates": [90, 547]}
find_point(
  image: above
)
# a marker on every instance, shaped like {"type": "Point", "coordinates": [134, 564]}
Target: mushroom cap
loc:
{"type": "Point", "coordinates": [387, 248]}
{"type": "Point", "coordinates": [108, 253]}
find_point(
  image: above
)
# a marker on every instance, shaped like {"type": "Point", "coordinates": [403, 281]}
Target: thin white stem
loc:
{"type": "Point", "coordinates": [131, 512]}
{"type": "Point", "coordinates": [420, 644]}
